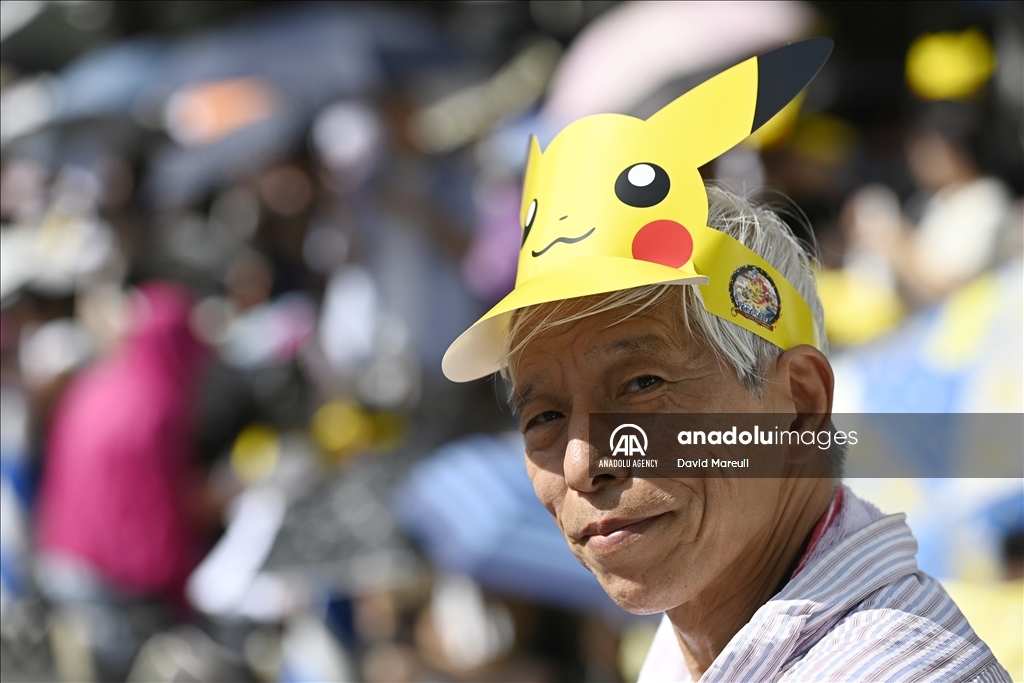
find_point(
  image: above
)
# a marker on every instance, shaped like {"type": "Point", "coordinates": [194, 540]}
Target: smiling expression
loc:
{"type": "Point", "coordinates": [652, 543]}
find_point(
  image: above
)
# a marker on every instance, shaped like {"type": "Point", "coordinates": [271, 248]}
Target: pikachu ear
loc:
{"type": "Point", "coordinates": [783, 73]}
{"type": "Point", "coordinates": [533, 155]}
{"type": "Point", "coordinates": [725, 109]}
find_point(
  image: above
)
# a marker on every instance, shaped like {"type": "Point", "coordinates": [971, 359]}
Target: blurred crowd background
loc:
{"type": "Point", "coordinates": [237, 238]}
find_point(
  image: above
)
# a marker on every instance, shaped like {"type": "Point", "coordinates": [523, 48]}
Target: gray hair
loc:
{"type": "Point", "coordinates": [757, 226]}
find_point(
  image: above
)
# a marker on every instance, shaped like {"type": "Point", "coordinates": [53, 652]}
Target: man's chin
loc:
{"type": "Point", "coordinates": [635, 597]}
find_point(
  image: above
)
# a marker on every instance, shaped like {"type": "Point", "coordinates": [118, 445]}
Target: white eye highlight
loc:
{"type": "Point", "coordinates": [531, 212]}
{"type": "Point", "coordinates": [641, 175]}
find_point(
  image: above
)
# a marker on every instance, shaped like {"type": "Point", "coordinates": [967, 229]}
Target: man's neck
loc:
{"type": "Point", "coordinates": [705, 625]}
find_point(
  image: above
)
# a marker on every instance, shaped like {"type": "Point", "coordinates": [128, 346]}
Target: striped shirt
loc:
{"type": "Point", "coordinates": [856, 609]}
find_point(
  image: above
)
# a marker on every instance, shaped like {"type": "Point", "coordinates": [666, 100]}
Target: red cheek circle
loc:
{"type": "Point", "coordinates": [665, 242]}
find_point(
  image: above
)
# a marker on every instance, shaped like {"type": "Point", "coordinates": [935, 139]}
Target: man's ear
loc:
{"type": "Point", "coordinates": [805, 377]}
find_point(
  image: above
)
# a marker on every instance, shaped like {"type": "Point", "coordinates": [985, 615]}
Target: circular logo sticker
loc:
{"type": "Point", "coordinates": [755, 296]}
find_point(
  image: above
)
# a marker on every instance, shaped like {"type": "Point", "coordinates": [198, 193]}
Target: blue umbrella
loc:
{"type": "Point", "coordinates": [473, 509]}
{"type": "Point", "coordinates": [107, 82]}
{"type": "Point", "coordinates": [309, 54]}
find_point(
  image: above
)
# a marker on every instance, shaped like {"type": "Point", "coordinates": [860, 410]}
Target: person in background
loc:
{"type": "Point", "coordinates": [121, 515]}
{"type": "Point", "coordinates": [951, 232]}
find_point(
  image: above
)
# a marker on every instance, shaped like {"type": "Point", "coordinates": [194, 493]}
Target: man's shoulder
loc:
{"type": "Point", "coordinates": [900, 630]}
{"type": "Point", "coordinates": [873, 615]}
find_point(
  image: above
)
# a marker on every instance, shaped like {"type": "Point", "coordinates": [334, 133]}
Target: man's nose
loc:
{"type": "Point", "coordinates": [579, 458]}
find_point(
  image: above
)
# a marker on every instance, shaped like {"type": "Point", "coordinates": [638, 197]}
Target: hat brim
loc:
{"type": "Point", "coordinates": [478, 351]}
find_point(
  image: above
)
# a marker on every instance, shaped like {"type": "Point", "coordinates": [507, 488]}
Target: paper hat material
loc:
{"type": "Point", "coordinates": [616, 202]}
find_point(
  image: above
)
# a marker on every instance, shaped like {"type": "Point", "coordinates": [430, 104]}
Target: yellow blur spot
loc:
{"type": "Point", "coordinates": [255, 453]}
{"type": "Point", "coordinates": [964, 324]}
{"type": "Point", "coordinates": [857, 307]}
{"type": "Point", "coordinates": [633, 648]}
{"type": "Point", "coordinates": [825, 139]}
{"type": "Point", "coordinates": [341, 428]}
{"type": "Point", "coordinates": [389, 430]}
{"type": "Point", "coordinates": [458, 118]}
{"type": "Point", "coordinates": [949, 65]}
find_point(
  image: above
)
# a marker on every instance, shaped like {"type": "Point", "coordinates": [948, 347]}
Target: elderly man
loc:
{"type": "Point", "coordinates": [642, 291]}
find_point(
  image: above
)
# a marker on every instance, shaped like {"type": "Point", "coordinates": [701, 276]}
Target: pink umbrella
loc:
{"type": "Point", "coordinates": [631, 50]}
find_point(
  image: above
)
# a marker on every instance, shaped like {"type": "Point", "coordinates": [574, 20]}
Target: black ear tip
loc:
{"type": "Point", "coordinates": [783, 73]}
{"type": "Point", "coordinates": [820, 47]}
{"type": "Point", "coordinates": [801, 57]}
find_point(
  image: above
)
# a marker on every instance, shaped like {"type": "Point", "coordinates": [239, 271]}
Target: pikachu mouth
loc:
{"type": "Point", "coordinates": [564, 240]}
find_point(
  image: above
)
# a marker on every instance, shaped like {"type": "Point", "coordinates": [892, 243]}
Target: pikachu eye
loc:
{"type": "Point", "coordinates": [642, 185]}
{"type": "Point", "coordinates": [531, 213]}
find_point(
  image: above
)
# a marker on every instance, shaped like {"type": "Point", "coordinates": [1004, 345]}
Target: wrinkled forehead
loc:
{"type": "Point", "coordinates": [641, 321]}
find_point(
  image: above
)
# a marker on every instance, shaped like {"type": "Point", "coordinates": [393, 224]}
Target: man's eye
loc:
{"type": "Point", "coordinates": [544, 418]}
{"type": "Point", "coordinates": [644, 382]}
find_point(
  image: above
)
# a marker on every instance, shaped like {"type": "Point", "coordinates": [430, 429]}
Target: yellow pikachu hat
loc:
{"type": "Point", "coordinates": [616, 202]}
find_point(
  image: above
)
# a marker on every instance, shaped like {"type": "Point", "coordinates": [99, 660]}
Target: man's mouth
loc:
{"type": "Point", "coordinates": [565, 240]}
{"type": "Point", "coordinates": [608, 536]}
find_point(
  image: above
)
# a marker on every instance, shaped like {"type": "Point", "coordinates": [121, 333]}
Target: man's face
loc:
{"type": "Point", "coordinates": [652, 543]}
